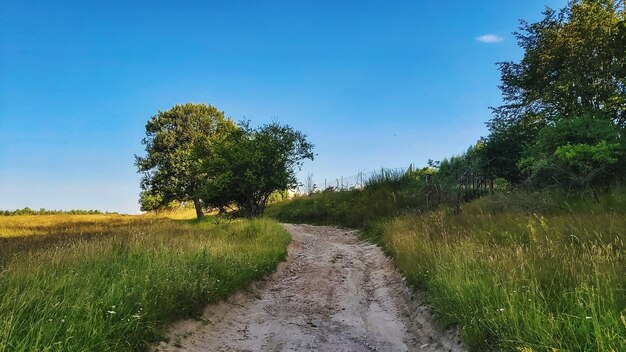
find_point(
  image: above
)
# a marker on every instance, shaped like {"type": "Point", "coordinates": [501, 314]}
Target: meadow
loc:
{"type": "Point", "coordinates": [113, 282]}
{"type": "Point", "coordinates": [513, 271]}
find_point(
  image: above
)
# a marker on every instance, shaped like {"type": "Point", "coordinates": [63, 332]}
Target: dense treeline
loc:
{"type": "Point", "coordinates": [564, 113]}
{"type": "Point", "coordinates": [43, 211]}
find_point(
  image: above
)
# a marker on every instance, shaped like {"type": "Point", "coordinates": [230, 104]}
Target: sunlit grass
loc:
{"type": "Point", "coordinates": [111, 283]}
{"type": "Point", "coordinates": [519, 271]}
{"type": "Point", "coordinates": [514, 280]}
{"type": "Point", "coordinates": [29, 225]}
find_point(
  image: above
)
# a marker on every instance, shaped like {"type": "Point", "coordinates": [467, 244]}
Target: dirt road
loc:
{"type": "Point", "coordinates": [334, 293]}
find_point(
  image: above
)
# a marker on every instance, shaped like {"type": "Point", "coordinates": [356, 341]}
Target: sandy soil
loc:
{"type": "Point", "coordinates": [334, 293]}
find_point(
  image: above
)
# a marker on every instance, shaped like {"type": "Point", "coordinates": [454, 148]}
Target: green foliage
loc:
{"type": "Point", "coordinates": [170, 172]}
{"type": "Point", "coordinates": [278, 196]}
{"type": "Point", "coordinates": [577, 152]}
{"type": "Point", "coordinates": [574, 62]}
{"type": "Point", "coordinates": [196, 154]}
{"type": "Point", "coordinates": [248, 165]}
{"type": "Point", "coordinates": [117, 290]}
{"type": "Point", "coordinates": [151, 200]}
{"type": "Point", "coordinates": [574, 65]}
{"type": "Point", "coordinates": [503, 149]}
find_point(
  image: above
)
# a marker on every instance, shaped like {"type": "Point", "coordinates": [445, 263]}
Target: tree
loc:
{"type": "Point", "coordinates": [582, 152]}
{"type": "Point", "coordinates": [248, 165]}
{"type": "Point", "coordinates": [574, 64]}
{"type": "Point", "coordinates": [170, 170]}
{"type": "Point", "coordinates": [502, 150]}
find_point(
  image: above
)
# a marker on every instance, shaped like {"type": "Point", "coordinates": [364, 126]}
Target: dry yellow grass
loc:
{"type": "Point", "coordinates": [28, 225]}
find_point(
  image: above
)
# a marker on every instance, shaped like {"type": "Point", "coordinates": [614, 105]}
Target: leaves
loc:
{"type": "Point", "coordinates": [573, 63]}
{"type": "Point", "coordinates": [248, 165]}
{"type": "Point", "coordinates": [170, 170]}
{"type": "Point", "coordinates": [582, 151]}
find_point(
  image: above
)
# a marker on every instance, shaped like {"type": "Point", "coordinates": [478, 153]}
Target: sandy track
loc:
{"type": "Point", "coordinates": [334, 293]}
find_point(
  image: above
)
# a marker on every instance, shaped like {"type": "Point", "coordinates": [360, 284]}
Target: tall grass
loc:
{"type": "Point", "coordinates": [385, 196]}
{"type": "Point", "coordinates": [518, 271]}
{"type": "Point", "coordinates": [516, 281]}
{"type": "Point", "coordinates": [116, 285]}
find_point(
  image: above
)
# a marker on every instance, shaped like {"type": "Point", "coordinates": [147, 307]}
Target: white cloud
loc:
{"type": "Point", "coordinates": [490, 38]}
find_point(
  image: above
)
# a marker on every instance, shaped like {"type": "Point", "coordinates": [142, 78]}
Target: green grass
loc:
{"type": "Point", "coordinates": [517, 280]}
{"type": "Point", "coordinates": [103, 285]}
{"type": "Point", "coordinates": [381, 199]}
{"type": "Point", "coordinates": [518, 271]}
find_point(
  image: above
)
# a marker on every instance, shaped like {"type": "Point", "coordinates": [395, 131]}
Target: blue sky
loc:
{"type": "Point", "coordinates": [372, 83]}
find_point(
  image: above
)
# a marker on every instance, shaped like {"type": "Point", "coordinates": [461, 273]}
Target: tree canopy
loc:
{"type": "Point", "coordinates": [194, 153]}
{"type": "Point", "coordinates": [571, 83]}
{"type": "Point", "coordinates": [170, 171]}
{"type": "Point", "coordinates": [247, 166]}
{"type": "Point", "coordinates": [574, 63]}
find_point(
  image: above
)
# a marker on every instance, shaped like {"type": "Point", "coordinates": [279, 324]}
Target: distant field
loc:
{"type": "Point", "coordinates": [521, 271]}
{"type": "Point", "coordinates": [30, 225]}
{"type": "Point", "coordinates": [112, 282]}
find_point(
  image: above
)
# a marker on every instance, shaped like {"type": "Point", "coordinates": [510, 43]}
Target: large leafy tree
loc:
{"type": "Point", "coordinates": [574, 64]}
{"type": "Point", "coordinates": [170, 169]}
{"type": "Point", "coordinates": [248, 165]}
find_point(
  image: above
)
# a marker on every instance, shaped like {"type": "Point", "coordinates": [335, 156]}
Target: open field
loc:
{"type": "Point", "coordinates": [514, 272]}
{"type": "Point", "coordinates": [112, 282]}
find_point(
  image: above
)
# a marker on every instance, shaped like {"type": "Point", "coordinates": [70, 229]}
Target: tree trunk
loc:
{"type": "Point", "coordinates": [199, 213]}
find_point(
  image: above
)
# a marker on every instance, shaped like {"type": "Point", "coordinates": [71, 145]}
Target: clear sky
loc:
{"type": "Point", "coordinates": [372, 83]}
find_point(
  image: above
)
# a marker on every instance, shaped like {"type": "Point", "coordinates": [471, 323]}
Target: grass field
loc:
{"type": "Point", "coordinates": [112, 282]}
{"type": "Point", "coordinates": [519, 272]}
{"type": "Point", "coordinates": [363, 209]}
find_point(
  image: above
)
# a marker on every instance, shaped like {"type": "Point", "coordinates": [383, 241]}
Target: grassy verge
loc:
{"type": "Point", "coordinates": [112, 283]}
{"type": "Point", "coordinates": [514, 272]}
{"type": "Point", "coordinates": [363, 209]}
